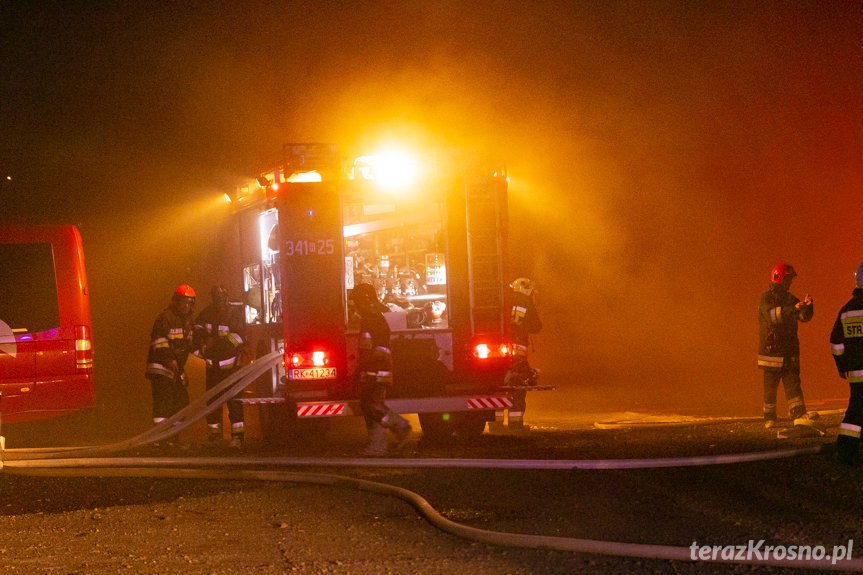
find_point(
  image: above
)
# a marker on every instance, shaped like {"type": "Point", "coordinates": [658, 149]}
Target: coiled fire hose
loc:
{"type": "Point", "coordinates": [81, 462]}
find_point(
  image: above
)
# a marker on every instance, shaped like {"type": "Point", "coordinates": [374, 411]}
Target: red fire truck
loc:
{"type": "Point", "coordinates": [429, 236]}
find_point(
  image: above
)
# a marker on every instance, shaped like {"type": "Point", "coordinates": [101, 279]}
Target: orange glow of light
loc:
{"type": "Point", "coordinates": [313, 176]}
{"type": "Point", "coordinates": [390, 169]}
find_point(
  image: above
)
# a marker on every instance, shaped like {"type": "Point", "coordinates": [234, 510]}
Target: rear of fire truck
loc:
{"type": "Point", "coordinates": [430, 238]}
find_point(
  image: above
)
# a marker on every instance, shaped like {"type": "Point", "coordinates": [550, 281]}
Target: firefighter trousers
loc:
{"type": "Point", "coordinates": [215, 376]}
{"type": "Point", "coordinates": [789, 376]}
{"type": "Point", "coordinates": [373, 397]}
{"type": "Point", "coordinates": [169, 396]}
{"type": "Point", "coordinates": [848, 440]}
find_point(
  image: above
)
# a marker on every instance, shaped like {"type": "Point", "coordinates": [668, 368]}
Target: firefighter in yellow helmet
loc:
{"type": "Point", "coordinates": [374, 373]}
{"type": "Point", "coordinates": [846, 341]}
{"type": "Point", "coordinates": [779, 311]}
{"type": "Point", "coordinates": [170, 345]}
{"type": "Point", "coordinates": [524, 322]}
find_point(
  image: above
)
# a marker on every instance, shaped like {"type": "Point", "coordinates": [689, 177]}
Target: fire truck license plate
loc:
{"type": "Point", "coordinates": [314, 373]}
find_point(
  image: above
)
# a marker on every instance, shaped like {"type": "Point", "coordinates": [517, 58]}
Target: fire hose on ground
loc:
{"type": "Point", "coordinates": [85, 462]}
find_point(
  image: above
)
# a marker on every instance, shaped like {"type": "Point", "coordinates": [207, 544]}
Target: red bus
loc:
{"type": "Point", "coordinates": [46, 350]}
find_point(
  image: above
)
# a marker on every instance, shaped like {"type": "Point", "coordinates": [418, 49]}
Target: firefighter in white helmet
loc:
{"type": "Point", "coordinates": [524, 322]}
{"type": "Point", "coordinates": [374, 373]}
{"type": "Point", "coordinates": [170, 345]}
{"type": "Point", "coordinates": [846, 340]}
{"type": "Point", "coordinates": [779, 311]}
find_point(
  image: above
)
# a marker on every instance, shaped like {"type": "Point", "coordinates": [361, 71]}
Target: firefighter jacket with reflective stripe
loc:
{"type": "Point", "coordinates": [375, 356]}
{"type": "Point", "coordinates": [524, 319]}
{"type": "Point", "coordinates": [170, 341]}
{"type": "Point", "coordinates": [846, 339]}
{"type": "Point", "coordinates": [777, 326]}
{"type": "Point", "coordinates": [219, 335]}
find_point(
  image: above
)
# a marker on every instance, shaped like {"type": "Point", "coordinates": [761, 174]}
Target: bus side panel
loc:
{"type": "Point", "coordinates": [58, 385]}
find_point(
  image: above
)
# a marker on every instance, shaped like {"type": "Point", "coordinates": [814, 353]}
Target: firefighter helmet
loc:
{"type": "Point", "coordinates": [858, 276]}
{"type": "Point", "coordinates": [183, 300]}
{"type": "Point", "coordinates": [365, 297]}
{"type": "Point", "coordinates": [780, 272]}
{"type": "Point", "coordinates": [220, 295]}
{"type": "Point", "coordinates": [523, 285]}
{"type": "Point", "coordinates": [364, 293]}
{"type": "Point", "coordinates": [185, 290]}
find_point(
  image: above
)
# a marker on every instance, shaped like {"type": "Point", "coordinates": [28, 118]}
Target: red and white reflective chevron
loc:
{"type": "Point", "coordinates": [489, 402]}
{"type": "Point", "coordinates": [320, 409]}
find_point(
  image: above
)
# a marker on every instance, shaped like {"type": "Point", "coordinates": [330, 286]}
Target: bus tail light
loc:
{"type": "Point", "coordinates": [83, 348]}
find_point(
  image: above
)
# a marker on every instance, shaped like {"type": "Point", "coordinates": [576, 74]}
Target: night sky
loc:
{"type": "Point", "coordinates": [663, 156]}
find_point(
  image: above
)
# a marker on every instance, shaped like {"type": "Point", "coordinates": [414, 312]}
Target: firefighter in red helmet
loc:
{"type": "Point", "coordinates": [170, 345]}
{"type": "Point", "coordinates": [374, 372]}
{"type": "Point", "coordinates": [779, 311]}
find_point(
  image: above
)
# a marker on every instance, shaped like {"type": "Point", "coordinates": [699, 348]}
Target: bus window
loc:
{"type": "Point", "coordinates": [28, 287]}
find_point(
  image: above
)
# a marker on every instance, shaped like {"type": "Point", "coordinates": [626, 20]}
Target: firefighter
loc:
{"type": "Point", "coordinates": [374, 373]}
{"type": "Point", "coordinates": [170, 344]}
{"type": "Point", "coordinates": [524, 322]}
{"type": "Point", "coordinates": [779, 311]}
{"type": "Point", "coordinates": [219, 331]}
{"type": "Point", "coordinates": [846, 339]}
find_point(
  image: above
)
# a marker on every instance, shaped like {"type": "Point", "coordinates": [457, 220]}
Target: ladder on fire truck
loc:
{"type": "Point", "coordinates": [484, 251]}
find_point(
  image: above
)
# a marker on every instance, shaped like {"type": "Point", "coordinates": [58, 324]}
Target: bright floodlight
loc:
{"type": "Point", "coordinates": [391, 170]}
{"type": "Point", "coordinates": [313, 176]}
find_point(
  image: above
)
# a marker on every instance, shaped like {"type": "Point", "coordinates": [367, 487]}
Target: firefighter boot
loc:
{"type": "Point", "coordinates": [399, 426]}
{"type": "Point", "coordinates": [377, 441]}
{"type": "Point", "coordinates": [236, 441]}
{"type": "Point", "coordinates": [214, 435]}
{"type": "Point", "coordinates": [846, 449]}
{"type": "Point", "coordinates": [798, 412]}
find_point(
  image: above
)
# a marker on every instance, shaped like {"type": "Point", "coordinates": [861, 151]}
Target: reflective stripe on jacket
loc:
{"type": "Point", "coordinates": [170, 341]}
{"type": "Point", "coordinates": [777, 326]}
{"type": "Point", "coordinates": [846, 338]}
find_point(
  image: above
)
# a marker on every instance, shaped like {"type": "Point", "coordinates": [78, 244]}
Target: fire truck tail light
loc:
{"type": "Point", "coordinates": [495, 350]}
{"type": "Point", "coordinates": [315, 358]}
{"type": "Point", "coordinates": [83, 348]}
{"type": "Point", "coordinates": [319, 359]}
